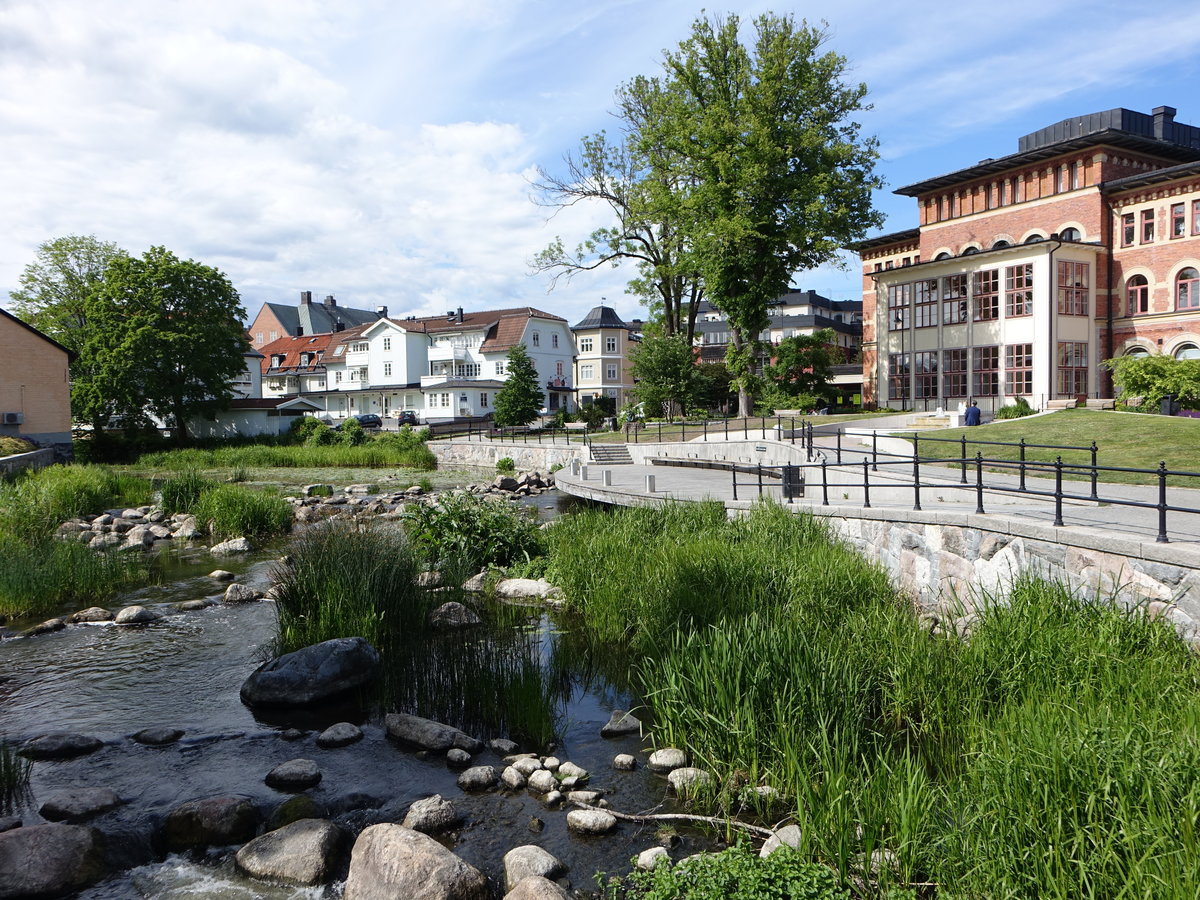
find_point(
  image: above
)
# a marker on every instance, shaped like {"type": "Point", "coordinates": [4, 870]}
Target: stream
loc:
{"type": "Point", "coordinates": [185, 672]}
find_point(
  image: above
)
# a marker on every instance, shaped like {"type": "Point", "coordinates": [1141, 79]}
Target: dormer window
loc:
{"type": "Point", "coordinates": [276, 360]}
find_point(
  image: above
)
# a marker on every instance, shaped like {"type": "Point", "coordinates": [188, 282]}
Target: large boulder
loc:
{"type": "Point", "coordinates": [312, 674]}
{"type": "Point", "coordinates": [621, 723]}
{"type": "Point", "coordinates": [234, 545]}
{"type": "Point", "coordinates": [428, 734]}
{"type": "Point", "coordinates": [591, 821]}
{"type": "Point", "coordinates": [536, 887]}
{"type": "Point", "coordinates": [242, 593]}
{"type": "Point", "coordinates": [390, 861]}
{"type": "Point", "coordinates": [137, 615]}
{"type": "Point", "coordinates": [60, 745]}
{"type": "Point", "coordinates": [521, 862]}
{"type": "Point", "coordinates": [49, 860]}
{"type": "Point", "coordinates": [431, 815]}
{"type": "Point", "coordinates": [303, 852]}
{"type": "Point", "coordinates": [667, 759]}
{"type": "Point", "coordinates": [212, 821]}
{"type": "Point", "coordinates": [478, 778]}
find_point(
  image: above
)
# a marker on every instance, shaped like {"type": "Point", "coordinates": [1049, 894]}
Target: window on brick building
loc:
{"type": "Point", "coordinates": [1128, 229]}
{"type": "Point", "coordinates": [987, 295]}
{"type": "Point", "coordinates": [1018, 369]}
{"type": "Point", "coordinates": [1196, 217]}
{"type": "Point", "coordinates": [1187, 289]}
{"type": "Point", "coordinates": [898, 385]}
{"type": "Point", "coordinates": [1018, 290]}
{"type": "Point", "coordinates": [925, 308]}
{"type": "Point", "coordinates": [986, 369]}
{"type": "Point", "coordinates": [899, 302]}
{"type": "Point", "coordinates": [1070, 234]}
{"type": "Point", "coordinates": [927, 374]}
{"type": "Point", "coordinates": [1000, 244]}
{"type": "Point", "coordinates": [954, 299]}
{"type": "Point", "coordinates": [878, 267]}
{"type": "Point", "coordinates": [941, 256]}
{"type": "Point", "coordinates": [1035, 239]}
{"type": "Point", "coordinates": [1137, 291]}
{"type": "Point", "coordinates": [1178, 220]}
{"type": "Point", "coordinates": [1147, 225]}
{"type": "Point", "coordinates": [1137, 352]}
{"type": "Point", "coordinates": [954, 373]}
{"type": "Point", "coordinates": [1187, 351]}
{"type": "Point", "coordinates": [1072, 368]}
{"type": "Point", "coordinates": [1072, 288]}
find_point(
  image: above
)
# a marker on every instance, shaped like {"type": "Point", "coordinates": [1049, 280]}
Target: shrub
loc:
{"type": "Point", "coordinates": [736, 873]}
{"type": "Point", "coordinates": [179, 494]}
{"type": "Point", "coordinates": [349, 580]}
{"type": "Point", "coordinates": [321, 435]}
{"type": "Point", "coordinates": [472, 531]}
{"type": "Point", "coordinates": [505, 464]}
{"type": "Point", "coordinates": [302, 427]}
{"type": "Point", "coordinates": [232, 510]}
{"type": "Point", "coordinates": [352, 434]}
{"type": "Point", "coordinates": [1017, 410]}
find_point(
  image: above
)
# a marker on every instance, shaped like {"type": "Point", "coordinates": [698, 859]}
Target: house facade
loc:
{"type": "Point", "coordinates": [35, 386]}
{"type": "Point", "coordinates": [603, 366]}
{"type": "Point", "coordinates": [1027, 272]}
{"type": "Point", "coordinates": [278, 320]}
{"type": "Point", "coordinates": [442, 368]}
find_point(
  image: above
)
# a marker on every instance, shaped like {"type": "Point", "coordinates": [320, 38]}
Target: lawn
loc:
{"type": "Point", "coordinates": [1124, 440]}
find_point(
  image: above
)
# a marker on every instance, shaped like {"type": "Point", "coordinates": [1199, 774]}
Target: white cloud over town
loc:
{"type": "Point", "coordinates": [384, 152]}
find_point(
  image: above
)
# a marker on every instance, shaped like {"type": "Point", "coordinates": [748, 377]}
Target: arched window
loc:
{"type": "Point", "coordinates": [1187, 289]}
{"type": "Point", "coordinates": [1187, 351]}
{"type": "Point", "coordinates": [1034, 239]}
{"type": "Point", "coordinates": [1000, 243]}
{"type": "Point", "coordinates": [1137, 352]}
{"type": "Point", "coordinates": [1070, 234]}
{"type": "Point", "coordinates": [1137, 289]}
{"type": "Point", "coordinates": [941, 256]}
{"type": "Point", "coordinates": [969, 250]}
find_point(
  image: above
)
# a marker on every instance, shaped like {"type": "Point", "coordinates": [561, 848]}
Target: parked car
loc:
{"type": "Point", "coordinates": [366, 420]}
{"type": "Point", "coordinates": [407, 417]}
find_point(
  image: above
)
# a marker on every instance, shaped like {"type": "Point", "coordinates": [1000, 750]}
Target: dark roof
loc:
{"type": "Point", "coordinates": [71, 354]}
{"type": "Point", "coordinates": [906, 236]}
{"type": "Point", "coordinates": [269, 402]}
{"type": "Point", "coordinates": [1156, 134]}
{"type": "Point", "coordinates": [1142, 179]}
{"type": "Point", "coordinates": [319, 318]}
{"type": "Point", "coordinates": [600, 317]}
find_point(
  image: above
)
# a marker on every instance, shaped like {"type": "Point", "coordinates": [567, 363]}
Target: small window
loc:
{"type": "Point", "coordinates": [1034, 239]}
{"type": "Point", "coordinates": [274, 335]}
{"type": "Point", "coordinates": [537, 339]}
{"type": "Point", "coordinates": [1147, 226]}
{"type": "Point", "coordinates": [387, 370]}
{"type": "Point", "coordinates": [1178, 220]}
{"type": "Point", "coordinates": [1000, 244]}
{"type": "Point", "coordinates": [611, 372]}
{"type": "Point", "coordinates": [558, 368]}
{"type": "Point", "coordinates": [483, 401]}
{"type": "Point", "coordinates": [258, 338]}
{"type": "Point", "coordinates": [941, 256]}
{"type": "Point", "coordinates": [1196, 217]}
{"type": "Point", "coordinates": [387, 344]}
{"type": "Point", "coordinates": [1128, 229]}
{"type": "Point", "coordinates": [1187, 289]}
{"type": "Point", "coordinates": [554, 340]}
{"type": "Point", "coordinates": [1187, 351]}
{"type": "Point", "coordinates": [1137, 291]}
{"type": "Point", "coordinates": [1070, 234]}
{"type": "Point", "coordinates": [610, 345]}
{"type": "Point", "coordinates": [969, 251]}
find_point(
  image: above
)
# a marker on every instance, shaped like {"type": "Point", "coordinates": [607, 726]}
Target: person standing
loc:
{"type": "Point", "coordinates": [971, 416]}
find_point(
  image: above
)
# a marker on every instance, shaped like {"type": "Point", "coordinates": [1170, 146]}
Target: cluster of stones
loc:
{"type": "Point", "coordinates": [129, 529]}
{"type": "Point", "coordinates": [321, 501]}
{"type": "Point", "coordinates": [524, 485]}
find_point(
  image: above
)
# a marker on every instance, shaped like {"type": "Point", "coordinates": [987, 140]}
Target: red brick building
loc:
{"type": "Point", "coordinates": [1029, 270]}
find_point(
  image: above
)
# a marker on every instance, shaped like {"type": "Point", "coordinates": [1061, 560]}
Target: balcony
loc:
{"type": "Point", "coordinates": [434, 380]}
{"type": "Point", "coordinates": [445, 353]}
{"type": "Point", "coordinates": [559, 383]}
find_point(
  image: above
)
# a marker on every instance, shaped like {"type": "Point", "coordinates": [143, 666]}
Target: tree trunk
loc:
{"type": "Point", "coordinates": [745, 403]}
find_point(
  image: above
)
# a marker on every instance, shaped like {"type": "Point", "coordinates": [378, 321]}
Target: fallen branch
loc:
{"type": "Point", "coordinates": [682, 819]}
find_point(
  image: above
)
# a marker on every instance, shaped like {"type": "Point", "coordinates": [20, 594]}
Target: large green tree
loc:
{"type": "Point", "coordinates": [1157, 376]}
{"type": "Point", "coordinates": [618, 173]}
{"type": "Point", "coordinates": [773, 174]}
{"type": "Point", "coordinates": [518, 402]}
{"type": "Point", "coordinates": [803, 364]}
{"type": "Point", "coordinates": [165, 337]}
{"type": "Point", "coordinates": [667, 380]}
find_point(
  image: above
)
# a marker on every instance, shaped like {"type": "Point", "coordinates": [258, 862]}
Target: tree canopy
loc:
{"type": "Point", "coordinates": [664, 369]}
{"type": "Point", "coordinates": [803, 364]}
{"type": "Point", "coordinates": [164, 338]}
{"type": "Point", "coordinates": [1157, 376]}
{"type": "Point", "coordinates": [772, 173]}
{"type": "Point", "coordinates": [521, 397]}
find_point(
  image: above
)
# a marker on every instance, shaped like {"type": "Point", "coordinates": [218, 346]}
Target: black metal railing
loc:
{"type": "Point", "coordinates": [790, 478]}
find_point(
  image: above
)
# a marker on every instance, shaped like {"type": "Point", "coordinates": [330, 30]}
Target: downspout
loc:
{"type": "Point", "coordinates": [1110, 244]}
{"type": "Point", "coordinates": [1052, 309]}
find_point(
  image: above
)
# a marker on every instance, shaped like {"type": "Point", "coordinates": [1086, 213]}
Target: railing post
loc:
{"type": "Point", "coordinates": [874, 450]}
{"type": "Point", "coordinates": [1022, 464]}
{"type": "Point", "coordinates": [866, 486]}
{"type": "Point", "coordinates": [727, 428]}
{"type": "Point", "coordinates": [824, 485]}
{"type": "Point", "coordinates": [979, 483]}
{"type": "Point", "coordinates": [916, 472]}
{"type": "Point", "coordinates": [964, 459]}
{"type": "Point", "coordinates": [706, 431]}
{"type": "Point", "coordinates": [793, 430]}
{"type": "Point", "coordinates": [660, 431]}
{"type": "Point", "coordinates": [1095, 496]}
{"type": "Point", "coordinates": [760, 479]}
{"type": "Point", "coordinates": [839, 445]}
{"type": "Point", "coordinates": [1162, 503]}
{"type": "Point", "coordinates": [1058, 494]}
{"type": "Point", "coordinates": [733, 472]}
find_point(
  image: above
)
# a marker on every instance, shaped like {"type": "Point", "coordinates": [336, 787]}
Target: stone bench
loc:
{"type": "Point", "coordinates": [1061, 404]}
{"type": "Point", "coordinates": [1101, 403]}
{"type": "Point", "coordinates": [576, 426]}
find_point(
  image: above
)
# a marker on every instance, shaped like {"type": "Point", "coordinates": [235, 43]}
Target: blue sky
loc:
{"type": "Point", "coordinates": [382, 152]}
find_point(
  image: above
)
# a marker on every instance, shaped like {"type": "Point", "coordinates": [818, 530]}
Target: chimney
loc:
{"type": "Point", "coordinates": [306, 298]}
{"type": "Point", "coordinates": [339, 326]}
{"type": "Point", "coordinates": [1164, 117]}
{"type": "Point", "coordinates": [460, 314]}
{"type": "Point", "coordinates": [299, 331]}
{"type": "Point", "coordinates": [329, 301]}
{"type": "Point", "coordinates": [381, 312]}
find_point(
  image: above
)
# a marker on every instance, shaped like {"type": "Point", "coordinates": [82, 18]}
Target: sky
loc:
{"type": "Point", "coordinates": [384, 152]}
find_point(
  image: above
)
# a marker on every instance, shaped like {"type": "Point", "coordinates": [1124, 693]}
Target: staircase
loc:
{"type": "Point", "coordinates": [611, 455]}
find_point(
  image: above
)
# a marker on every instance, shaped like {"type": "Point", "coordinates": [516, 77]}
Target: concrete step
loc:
{"type": "Point", "coordinates": [611, 455]}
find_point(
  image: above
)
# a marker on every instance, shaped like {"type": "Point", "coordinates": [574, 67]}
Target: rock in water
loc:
{"type": "Point", "coordinates": [339, 735]}
{"type": "Point", "coordinates": [241, 593]}
{"type": "Point", "coordinates": [521, 862]}
{"type": "Point", "coordinates": [236, 545]}
{"type": "Point", "coordinates": [390, 861]}
{"type": "Point", "coordinates": [156, 737]}
{"type": "Point", "coordinates": [428, 734]}
{"type": "Point", "coordinates": [303, 852]}
{"type": "Point", "coordinates": [79, 803]}
{"type": "Point", "coordinates": [137, 615]}
{"type": "Point", "coordinates": [591, 821]}
{"type": "Point", "coordinates": [312, 674]}
{"type": "Point", "coordinates": [689, 781]}
{"type": "Point", "coordinates": [294, 775]}
{"type": "Point", "coordinates": [535, 887]}
{"type": "Point", "coordinates": [452, 616]}
{"type": "Point", "coordinates": [59, 745]}
{"type": "Point", "coordinates": [666, 759]}
{"type": "Point", "coordinates": [49, 860]}
{"type": "Point", "coordinates": [479, 778]}
{"type": "Point", "coordinates": [210, 822]}
{"type": "Point", "coordinates": [431, 815]}
{"type": "Point", "coordinates": [621, 723]}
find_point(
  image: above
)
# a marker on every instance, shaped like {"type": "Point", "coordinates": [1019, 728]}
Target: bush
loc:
{"type": "Point", "coordinates": [473, 532]}
{"type": "Point", "coordinates": [1017, 410]}
{"type": "Point", "coordinates": [352, 434]}
{"type": "Point", "coordinates": [506, 465]}
{"type": "Point", "coordinates": [349, 580]}
{"type": "Point", "coordinates": [232, 510]}
{"type": "Point", "coordinates": [737, 873]}
{"type": "Point", "coordinates": [592, 413]}
{"type": "Point", "coordinates": [321, 435]}
{"type": "Point", "coordinates": [179, 494]}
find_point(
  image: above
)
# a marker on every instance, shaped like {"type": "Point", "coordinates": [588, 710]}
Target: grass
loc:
{"type": "Point", "coordinates": [181, 492]}
{"type": "Point", "coordinates": [11, 446]}
{"type": "Point", "coordinates": [35, 504]}
{"type": "Point", "coordinates": [14, 776]}
{"type": "Point", "coordinates": [235, 510]}
{"type": "Point", "coordinates": [1125, 440]}
{"type": "Point", "coordinates": [1051, 755]}
{"type": "Point", "coordinates": [392, 449]}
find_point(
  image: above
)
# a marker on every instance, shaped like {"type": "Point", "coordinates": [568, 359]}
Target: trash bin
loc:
{"type": "Point", "coordinates": [1168, 406]}
{"type": "Point", "coordinates": [793, 482]}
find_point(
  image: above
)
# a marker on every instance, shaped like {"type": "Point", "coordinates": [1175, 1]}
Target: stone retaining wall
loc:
{"type": "Point", "coordinates": [769, 452]}
{"type": "Point", "coordinates": [35, 459]}
{"type": "Point", "coordinates": [485, 454]}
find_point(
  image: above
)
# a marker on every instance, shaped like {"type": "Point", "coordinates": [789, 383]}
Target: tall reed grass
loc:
{"type": "Point", "coordinates": [1051, 755]}
{"type": "Point", "coordinates": [35, 504]}
{"type": "Point", "coordinates": [386, 450]}
{"type": "Point", "coordinates": [42, 576]}
{"type": "Point", "coordinates": [14, 776]}
{"type": "Point", "coordinates": [232, 510]}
